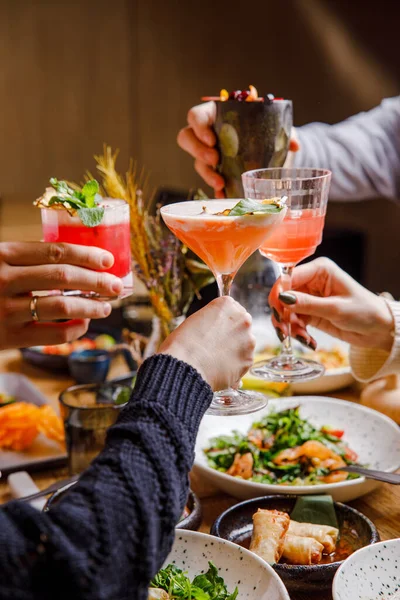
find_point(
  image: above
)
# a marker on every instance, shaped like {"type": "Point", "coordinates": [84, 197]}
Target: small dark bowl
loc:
{"type": "Point", "coordinates": [236, 525]}
{"type": "Point", "coordinates": [89, 366]}
{"type": "Point", "coordinates": [192, 522]}
{"type": "Point", "coordinates": [49, 362]}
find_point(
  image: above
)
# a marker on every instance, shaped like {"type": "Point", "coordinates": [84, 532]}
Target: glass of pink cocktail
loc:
{"type": "Point", "coordinates": [113, 233]}
{"type": "Point", "coordinates": [296, 238]}
{"type": "Point", "coordinates": [108, 229]}
{"type": "Point", "coordinates": [223, 242]}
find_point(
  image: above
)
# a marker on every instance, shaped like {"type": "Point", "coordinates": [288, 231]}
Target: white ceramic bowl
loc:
{"type": "Point", "coordinates": [374, 437]}
{"type": "Point", "coordinates": [371, 573]}
{"type": "Point", "coordinates": [255, 579]}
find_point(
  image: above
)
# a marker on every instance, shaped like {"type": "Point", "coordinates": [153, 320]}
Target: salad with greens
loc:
{"type": "Point", "coordinates": [283, 448]}
{"type": "Point", "coordinates": [172, 583]}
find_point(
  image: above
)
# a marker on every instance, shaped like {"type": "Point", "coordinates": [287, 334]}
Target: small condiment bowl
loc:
{"type": "Point", "coordinates": [236, 525]}
{"type": "Point", "coordinates": [192, 521]}
{"type": "Point", "coordinates": [89, 366]}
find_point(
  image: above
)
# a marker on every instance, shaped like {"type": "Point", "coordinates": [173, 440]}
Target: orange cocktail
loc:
{"type": "Point", "coordinates": [224, 242]}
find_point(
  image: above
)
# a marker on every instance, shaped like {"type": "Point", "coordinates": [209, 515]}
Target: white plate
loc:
{"type": "Point", "coordinates": [374, 437]}
{"type": "Point", "coordinates": [334, 379]}
{"type": "Point", "coordinates": [43, 453]}
{"type": "Point", "coordinates": [255, 579]}
{"type": "Point", "coordinates": [371, 573]}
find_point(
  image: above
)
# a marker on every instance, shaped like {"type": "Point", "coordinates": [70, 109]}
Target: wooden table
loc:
{"type": "Point", "coordinates": [381, 506]}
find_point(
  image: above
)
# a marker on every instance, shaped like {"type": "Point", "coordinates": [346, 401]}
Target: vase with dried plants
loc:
{"type": "Point", "coordinates": [170, 274]}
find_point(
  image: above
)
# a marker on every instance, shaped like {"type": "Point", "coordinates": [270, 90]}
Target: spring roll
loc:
{"type": "Point", "coordinates": [269, 530]}
{"type": "Point", "coordinates": [301, 550]}
{"type": "Point", "coordinates": [325, 535]}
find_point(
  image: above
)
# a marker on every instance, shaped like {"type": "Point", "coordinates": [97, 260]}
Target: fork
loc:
{"type": "Point", "coordinates": [393, 478]}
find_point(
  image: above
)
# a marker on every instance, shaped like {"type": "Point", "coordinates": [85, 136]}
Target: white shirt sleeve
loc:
{"type": "Point", "coordinates": [363, 152]}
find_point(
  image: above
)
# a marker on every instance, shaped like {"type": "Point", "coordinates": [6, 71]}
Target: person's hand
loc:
{"type": "Point", "coordinates": [199, 140]}
{"type": "Point", "coordinates": [326, 297]}
{"type": "Point", "coordinates": [217, 341]}
{"type": "Point", "coordinates": [37, 266]}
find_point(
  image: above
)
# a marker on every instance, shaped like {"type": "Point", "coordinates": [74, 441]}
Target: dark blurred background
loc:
{"type": "Point", "coordinates": [75, 74]}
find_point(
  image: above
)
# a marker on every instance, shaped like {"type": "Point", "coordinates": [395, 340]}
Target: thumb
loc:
{"type": "Point", "coordinates": [305, 304]}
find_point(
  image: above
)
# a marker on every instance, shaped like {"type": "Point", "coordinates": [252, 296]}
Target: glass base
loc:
{"type": "Point", "coordinates": [236, 402]}
{"type": "Point", "coordinates": [289, 369]}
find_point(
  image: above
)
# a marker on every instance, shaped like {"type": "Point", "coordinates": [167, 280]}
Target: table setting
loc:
{"type": "Point", "coordinates": [291, 497]}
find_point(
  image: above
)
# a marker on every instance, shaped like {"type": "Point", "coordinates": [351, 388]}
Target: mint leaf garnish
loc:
{"type": "Point", "coordinates": [256, 207]}
{"type": "Point", "coordinates": [89, 191]}
{"type": "Point", "coordinates": [84, 201]}
{"type": "Point", "coordinates": [91, 217]}
{"type": "Point", "coordinates": [74, 202]}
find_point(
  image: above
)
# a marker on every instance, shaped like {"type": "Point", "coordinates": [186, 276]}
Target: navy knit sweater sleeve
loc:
{"type": "Point", "coordinates": [111, 534]}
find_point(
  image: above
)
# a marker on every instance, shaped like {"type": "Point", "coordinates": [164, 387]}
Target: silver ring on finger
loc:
{"type": "Point", "coordinates": [33, 309]}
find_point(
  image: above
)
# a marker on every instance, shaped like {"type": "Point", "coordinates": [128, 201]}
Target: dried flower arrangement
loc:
{"type": "Point", "coordinates": [161, 261]}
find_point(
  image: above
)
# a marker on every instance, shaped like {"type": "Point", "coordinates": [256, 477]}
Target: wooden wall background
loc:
{"type": "Point", "coordinates": [75, 74]}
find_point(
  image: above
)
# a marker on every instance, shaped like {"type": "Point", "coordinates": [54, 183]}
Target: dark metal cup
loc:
{"type": "Point", "coordinates": [251, 135]}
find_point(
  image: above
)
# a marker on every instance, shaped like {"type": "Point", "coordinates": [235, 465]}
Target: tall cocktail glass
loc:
{"type": "Point", "coordinates": [296, 238]}
{"type": "Point", "coordinates": [223, 243]}
{"type": "Point", "coordinates": [113, 234]}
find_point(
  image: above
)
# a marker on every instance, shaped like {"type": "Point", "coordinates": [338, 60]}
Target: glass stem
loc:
{"type": "Point", "coordinates": [286, 281]}
{"type": "Point", "coordinates": [224, 283]}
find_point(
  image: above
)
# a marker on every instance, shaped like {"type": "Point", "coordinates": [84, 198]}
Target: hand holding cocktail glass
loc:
{"type": "Point", "coordinates": [224, 241]}
{"type": "Point", "coordinates": [199, 139]}
{"type": "Point", "coordinates": [50, 290]}
{"type": "Point", "coordinates": [325, 296]}
{"type": "Point", "coordinates": [82, 216]}
{"type": "Point", "coordinates": [27, 266]}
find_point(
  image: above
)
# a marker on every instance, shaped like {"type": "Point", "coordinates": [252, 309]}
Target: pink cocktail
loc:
{"type": "Point", "coordinates": [113, 233]}
{"type": "Point", "coordinates": [297, 237]}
